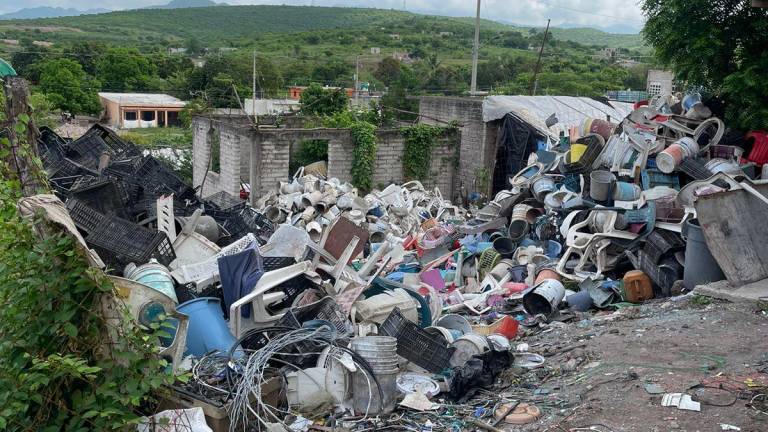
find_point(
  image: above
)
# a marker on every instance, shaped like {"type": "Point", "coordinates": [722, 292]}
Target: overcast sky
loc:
{"type": "Point", "coordinates": [594, 13]}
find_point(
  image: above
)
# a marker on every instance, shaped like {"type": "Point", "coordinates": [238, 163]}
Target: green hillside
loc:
{"type": "Point", "coordinates": [240, 25]}
{"type": "Point", "coordinates": [590, 36]}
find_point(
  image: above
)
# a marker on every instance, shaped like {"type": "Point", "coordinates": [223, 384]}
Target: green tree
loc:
{"type": "Point", "coordinates": [317, 100]}
{"type": "Point", "coordinates": [68, 88]}
{"type": "Point", "coordinates": [125, 69]}
{"type": "Point", "coordinates": [194, 46]}
{"type": "Point", "coordinates": [388, 71]}
{"type": "Point", "coordinates": [87, 53]}
{"type": "Point", "coordinates": [721, 45]}
{"type": "Point", "coordinates": [27, 60]}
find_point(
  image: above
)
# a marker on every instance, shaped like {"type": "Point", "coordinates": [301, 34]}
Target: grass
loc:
{"type": "Point", "coordinates": [176, 138]}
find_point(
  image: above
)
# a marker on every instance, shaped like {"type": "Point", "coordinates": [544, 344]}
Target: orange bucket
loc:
{"type": "Point", "coordinates": [545, 274]}
{"type": "Point", "coordinates": [508, 327]}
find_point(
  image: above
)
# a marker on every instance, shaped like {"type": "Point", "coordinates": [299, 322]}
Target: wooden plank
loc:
{"type": "Point", "coordinates": [736, 233]}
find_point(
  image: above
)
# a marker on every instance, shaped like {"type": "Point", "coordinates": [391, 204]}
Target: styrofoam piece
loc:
{"type": "Point", "coordinates": [681, 401]}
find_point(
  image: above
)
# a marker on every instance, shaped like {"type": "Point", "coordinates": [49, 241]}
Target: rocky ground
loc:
{"type": "Point", "coordinates": [599, 369]}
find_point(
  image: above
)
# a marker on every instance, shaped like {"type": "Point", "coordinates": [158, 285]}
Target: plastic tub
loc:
{"type": "Point", "coordinates": [207, 329]}
{"type": "Point", "coordinates": [544, 298]}
{"type": "Point", "coordinates": [600, 184]}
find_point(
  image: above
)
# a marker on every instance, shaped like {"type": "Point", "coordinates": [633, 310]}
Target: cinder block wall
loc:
{"type": "Point", "coordinates": [478, 140]}
{"type": "Point", "coordinates": [262, 157]}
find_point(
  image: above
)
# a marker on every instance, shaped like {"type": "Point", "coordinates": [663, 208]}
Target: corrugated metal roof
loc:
{"type": "Point", "coordinates": [143, 99]}
{"type": "Point", "coordinates": [570, 110]}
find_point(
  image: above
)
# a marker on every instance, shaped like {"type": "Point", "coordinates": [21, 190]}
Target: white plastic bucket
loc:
{"type": "Point", "coordinates": [544, 297]}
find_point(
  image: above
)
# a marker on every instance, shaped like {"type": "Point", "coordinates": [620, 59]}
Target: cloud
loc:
{"type": "Point", "coordinates": [593, 13]}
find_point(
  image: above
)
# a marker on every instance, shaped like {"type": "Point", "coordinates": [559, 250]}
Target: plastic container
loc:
{"type": "Point", "coordinates": [153, 275]}
{"type": "Point", "coordinates": [468, 346]}
{"type": "Point", "coordinates": [600, 185]}
{"type": "Point", "coordinates": [542, 186]}
{"type": "Point", "coordinates": [637, 287]}
{"type": "Point", "coordinates": [695, 168]}
{"type": "Point", "coordinates": [417, 345]}
{"type": "Point", "coordinates": [86, 218]}
{"type": "Point", "coordinates": [207, 329]}
{"type": "Point", "coordinates": [508, 327]}
{"type": "Point", "coordinates": [518, 229]}
{"type": "Point", "coordinates": [759, 152]}
{"type": "Point", "coordinates": [700, 265]}
{"type": "Point", "coordinates": [626, 191]}
{"type": "Point", "coordinates": [544, 298]}
{"type": "Point", "coordinates": [119, 242]}
{"type": "Point", "coordinates": [505, 246]}
{"type": "Point", "coordinates": [366, 399]}
{"type": "Point", "coordinates": [577, 151]}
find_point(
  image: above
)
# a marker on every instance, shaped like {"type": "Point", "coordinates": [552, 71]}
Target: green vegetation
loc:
{"type": "Point", "coordinates": [65, 85]}
{"type": "Point", "coordinates": [63, 364]}
{"type": "Point", "coordinates": [310, 151]}
{"type": "Point", "coordinates": [720, 46]}
{"type": "Point", "coordinates": [417, 155]}
{"type": "Point", "coordinates": [315, 100]}
{"type": "Point", "coordinates": [364, 155]}
{"type": "Point", "coordinates": [303, 45]}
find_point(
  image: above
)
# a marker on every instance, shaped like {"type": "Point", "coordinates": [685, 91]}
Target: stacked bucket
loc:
{"type": "Point", "coordinates": [381, 354]}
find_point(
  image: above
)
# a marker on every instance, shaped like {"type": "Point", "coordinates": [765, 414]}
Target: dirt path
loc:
{"type": "Point", "coordinates": [676, 345]}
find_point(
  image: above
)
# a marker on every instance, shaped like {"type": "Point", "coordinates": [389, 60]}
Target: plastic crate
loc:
{"type": "Point", "coordinates": [158, 180]}
{"type": "Point", "coordinates": [663, 274]}
{"type": "Point", "coordinates": [88, 148]}
{"type": "Point", "coordinates": [662, 242]}
{"type": "Point", "coordinates": [695, 168]}
{"type": "Point", "coordinates": [85, 217]}
{"type": "Point", "coordinates": [223, 202]}
{"type": "Point", "coordinates": [415, 344]}
{"type": "Point", "coordinates": [291, 288]}
{"type": "Point", "coordinates": [651, 178]}
{"type": "Point", "coordinates": [103, 194]}
{"type": "Point", "coordinates": [120, 242]}
{"type": "Point", "coordinates": [323, 309]}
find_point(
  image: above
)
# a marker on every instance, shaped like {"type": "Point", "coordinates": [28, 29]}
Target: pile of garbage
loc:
{"type": "Point", "coordinates": [325, 307]}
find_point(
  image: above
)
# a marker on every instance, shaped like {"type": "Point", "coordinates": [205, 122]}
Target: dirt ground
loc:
{"type": "Point", "coordinates": [597, 367]}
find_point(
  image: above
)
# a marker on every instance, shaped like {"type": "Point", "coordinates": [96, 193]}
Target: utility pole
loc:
{"type": "Point", "coordinates": [534, 80]}
{"type": "Point", "coordinates": [475, 50]}
{"type": "Point", "coordinates": [253, 92]}
{"type": "Point", "coordinates": [357, 79]}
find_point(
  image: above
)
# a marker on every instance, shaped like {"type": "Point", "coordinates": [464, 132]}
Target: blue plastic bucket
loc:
{"type": "Point", "coordinates": [626, 191]}
{"type": "Point", "coordinates": [207, 329]}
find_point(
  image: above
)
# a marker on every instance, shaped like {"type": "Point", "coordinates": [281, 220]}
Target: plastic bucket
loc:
{"type": "Point", "coordinates": [700, 265]}
{"type": "Point", "coordinates": [518, 230]}
{"type": "Point", "coordinates": [722, 165]}
{"type": "Point", "coordinates": [600, 184]}
{"type": "Point", "coordinates": [153, 275]}
{"type": "Point", "coordinates": [670, 158]}
{"type": "Point", "coordinates": [207, 329]}
{"type": "Point", "coordinates": [366, 395]}
{"type": "Point", "coordinates": [546, 274]}
{"type": "Point", "coordinates": [626, 191]}
{"type": "Point", "coordinates": [601, 127]}
{"type": "Point", "coordinates": [544, 298]}
{"type": "Point", "coordinates": [442, 332]}
{"type": "Point", "coordinates": [543, 186]}
{"type": "Point", "coordinates": [581, 301]}
{"type": "Point", "coordinates": [505, 246]}
{"type": "Point", "coordinates": [374, 342]}
{"type": "Point", "coordinates": [520, 212]}
{"type": "Point", "coordinates": [689, 145]}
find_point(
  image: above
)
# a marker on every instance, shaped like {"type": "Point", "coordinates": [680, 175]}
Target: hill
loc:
{"type": "Point", "coordinates": [49, 12]}
{"type": "Point", "coordinates": [181, 4]}
{"type": "Point", "coordinates": [236, 25]}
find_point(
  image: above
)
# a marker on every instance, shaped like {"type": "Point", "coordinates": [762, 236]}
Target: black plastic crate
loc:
{"type": "Point", "coordinates": [103, 194]}
{"type": "Point", "coordinates": [595, 144]}
{"type": "Point", "coordinates": [86, 218]}
{"type": "Point", "coordinates": [416, 345]}
{"type": "Point", "coordinates": [291, 288]}
{"type": "Point", "coordinates": [662, 242]}
{"type": "Point", "coordinates": [223, 202]}
{"type": "Point", "coordinates": [157, 180]}
{"type": "Point", "coordinates": [88, 148]}
{"type": "Point", "coordinates": [120, 242]}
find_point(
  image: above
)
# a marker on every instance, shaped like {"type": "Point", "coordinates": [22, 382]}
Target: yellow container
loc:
{"type": "Point", "coordinates": [577, 151]}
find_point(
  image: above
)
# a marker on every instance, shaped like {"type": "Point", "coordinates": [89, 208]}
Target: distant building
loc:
{"type": "Point", "coordinates": [606, 53]}
{"type": "Point", "coordinates": [176, 51]}
{"type": "Point", "coordinates": [294, 92]}
{"type": "Point", "coordinates": [659, 82]}
{"type": "Point", "coordinates": [627, 62]}
{"type": "Point", "coordinates": [394, 36]}
{"type": "Point", "coordinates": [141, 110]}
{"type": "Point", "coordinates": [271, 106]}
{"type": "Point", "coordinates": [445, 34]}
{"type": "Point", "coordinates": [631, 96]}
{"type": "Point", "coordinates": [375, 50]}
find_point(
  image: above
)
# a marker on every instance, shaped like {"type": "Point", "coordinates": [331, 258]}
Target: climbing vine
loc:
{"type": "Point", "coordinates": [364, 138]}
{"type": "Point", "coordinates": [63, 364]}
{"type": "Point", "coordinates": [417, 156]}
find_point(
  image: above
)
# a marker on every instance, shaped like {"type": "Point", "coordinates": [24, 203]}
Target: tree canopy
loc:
{"type": "Point", "coordinates": [721, 45]}
{"type": "Point", "coordinates": [320, 101]}
{"type": "Point", "coordinates": [68, 88]}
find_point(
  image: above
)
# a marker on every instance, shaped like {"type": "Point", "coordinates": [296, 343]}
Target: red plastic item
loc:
{"type": "Point", "coordinates": [508, 327]}
{"type": "Point", "coordinates": [759, 152]}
